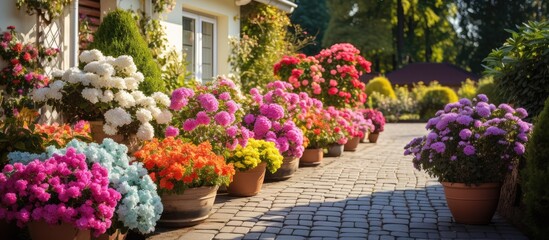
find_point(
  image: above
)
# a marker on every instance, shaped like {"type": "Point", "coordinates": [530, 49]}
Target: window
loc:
{"type": "Point", "coordinates": [199, 45]}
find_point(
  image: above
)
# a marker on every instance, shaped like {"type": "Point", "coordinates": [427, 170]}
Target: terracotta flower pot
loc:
{"type": "Point", "coordinates": [334, 150]}
{"type": "Point", "coordinates": [117, 235]}
{"type": "Point", "coordinates": [475, 204]}
{"type": "Point", "coordinates": [132, 142]}
{"type": "Point", "coordinates": [352, 144]}
{"type": "Point", "coordinates": [286, 171]}
{"type": "Point", "coordinates": [372, 137]}
{"type": "Point", "coordinates": [311, 157]}
{"type": "Point", "coordinates": [189, 208]}
{"type": "Point", "coordinates": [364, 136]}
{"type": "Point", "coordinates": [43, 231]}
{"type": "Point", "coordinates": [248, 183]}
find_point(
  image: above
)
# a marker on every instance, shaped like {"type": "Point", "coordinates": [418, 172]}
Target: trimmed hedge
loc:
{"type": "Point", "coordinates": [118, 35]}
{"type": "Point", "coordinates": [536, 176]}
{"type": "Point", "coordinates": [435, 99]}
{"type": "Point", "coordinates": [381, 85]}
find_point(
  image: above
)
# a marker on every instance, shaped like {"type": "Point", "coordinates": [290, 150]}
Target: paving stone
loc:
{"type": "Point", "coordinates": [328, 234]}
{"type": "Point", "coordinates": [197, 236]}
{"type": "Point", "coordinates": [396, 227]}
{"type": "Point", "coordinates": [231, 236]}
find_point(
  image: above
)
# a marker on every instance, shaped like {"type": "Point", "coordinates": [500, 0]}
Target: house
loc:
{"type": "Point", "coordinates": [201, 28]}
{"type": "Point", "coordinates": [445, 73]}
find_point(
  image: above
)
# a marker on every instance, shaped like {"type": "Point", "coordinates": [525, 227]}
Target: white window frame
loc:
{"type": "Point", "coordinates": [198, 20]}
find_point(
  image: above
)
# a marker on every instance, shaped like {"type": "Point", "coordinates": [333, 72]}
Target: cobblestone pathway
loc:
{"type": "Point", "coordinates": [373, 193]}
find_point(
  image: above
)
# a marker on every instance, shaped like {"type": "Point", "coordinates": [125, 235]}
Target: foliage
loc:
{"type": "Point", "coordinates": [263, 30]}
{"type": "Point", "coordinates": [212, 111]}
{"type": "Point", "coordinates": [64, 182]}
{"type": "Point", "coordinates": [174, 72]}
{"type": "Point", "coordinates": [46, 10]}
{"type": "Point", "coordinates": [106, 90]}
{"type": "Point", "coordinates": [487, 86]}
{"type": "Point", "coordinates": [130, 180]}
{"type": "Point", "coordinates": [489, 19]}
{"type": "Point", "coordinates": [381, 85]}
{"type": "Point", "coordinates": [471, 142]}
{"type": "Point", "coordinates": [270, 117]}
{"type": "Point", "coordinates": [377, 119]}
{"type": "Point", "coordinates": [312, 16]}
{"type": "Point", "coordinates": [118, 35]}
{"type": "Point", "coordinates": [435, 98]}
{"type": "Point", "coordinates": [254, 153]}
{"type": "Point", "coordinates": [536, 176]}
{"type": "Point", "coordinates": [85, 32]}
{"type": "Point", "coordinates": [468, 89]}
{"type": "Point", "coordinates": [520, 68]}
{"type": "Point", "coordinates": [343, 67]}
{"type": "Point", "coordinates": [175, 165]}
{"type": "Point", "coordinates": [23, 71]}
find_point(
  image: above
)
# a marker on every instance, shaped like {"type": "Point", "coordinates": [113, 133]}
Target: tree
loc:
{"type": "Point", "coordinates": [482, 24]}
{"type": "Point", "coordinates": [312, 16]}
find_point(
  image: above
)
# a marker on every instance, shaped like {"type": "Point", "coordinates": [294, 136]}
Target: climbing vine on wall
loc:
{"type": "Point", "coordinates": [46, 10]}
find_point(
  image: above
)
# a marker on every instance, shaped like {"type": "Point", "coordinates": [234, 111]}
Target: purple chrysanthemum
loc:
{"type": "Point", "coordinates": [465, 134]}
{"type": "Point", "coordinates": [439, 147]}
{"type": "Point", "coordinates": [469, 150]}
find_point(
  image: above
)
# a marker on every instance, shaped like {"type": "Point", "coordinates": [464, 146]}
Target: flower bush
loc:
{"type": "Point", "coordinates": [316, 130]}
{"type": "Point", "coordinates": [471, 142]}
{"type": "Point", "coordinates": [106, 89]}
{"type": "Point", "coordinates": [59, 189]}
{"type": "Point", "coordinates": [60, 135]}
{"type": "Point", "coordinates": [175, 165]}
{"type": "Point", "coordinates": [377, 118]}
{"type": "Point", "coordinates": [47, 10]}
{"type": "Point", "coordinates": [354, 124]}
{"type": "Point", "coordinates": [140, 206]}
{"type": "Point", "coordinates": [302, 72]}
{"type": "Point", "coordinates": [211, 113]}
{"type": "Point", "coordinates": [23, 71]}
{"type": "Point", "coordinates": [336, 123]}
{"type": "Point", "coordinates": [256, 152]}
{"type": "Point", "coordinates": [269, 118]}
{"type": "Point", "coordinates": [343, 66]}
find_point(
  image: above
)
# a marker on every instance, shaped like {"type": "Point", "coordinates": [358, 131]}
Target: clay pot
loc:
{"type": "Point", "coordinates": [352, 144]}
{"type": "Point", "coordinates": [373, 137]}
{"type": "Point", "coordinates": [334, 150]}
{"type": "Point", "coordinates": [117, 235]}
{"type": "Point", "coordinates": [248, 183]}
{"type": "Point", "coordinates": [475, 204]}
{"type": "Point", "coordinates": [189, 208]}
{"type": "Point", "coordinates": [311, 157]}
{"type": "Point", "coordinates": [364, 136]}
{"type": "Point", "coordinates": [40, 230]}
{"type": "Point", "coordinates": [132, 142]}
{"type": "Point", "coordinates": [286, 171]}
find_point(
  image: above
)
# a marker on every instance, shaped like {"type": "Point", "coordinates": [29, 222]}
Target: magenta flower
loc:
{"type": "Point", "coordinates": [208, 102]}
{"type": "Point", "coordinates": [223, 118]}
{"type": "Point", "coordinates": [172, 131]}
{"type": "Point", "coordinates": [189, 124]}
{"type": "Point", "coordinates": [202, 118]}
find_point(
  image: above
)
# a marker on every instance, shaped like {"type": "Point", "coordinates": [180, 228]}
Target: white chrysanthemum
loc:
{"type": "Point", "coordinates": [161, 99]}
{"type": "Point", "coordinates": [57, 73]}
{"type": "Point", "coordinates": [109, 130]}
{"type": "Point", "coordinates": [92, 94]}
{"type": "Point", "coordinates": [93, 79]}
{"type": "Point", "coordinates": [107, 96]}
{"type": "Point", "coordinates": [138, 76]}
{"type": "Point", "coordinates": [39, 95]}
{"type": "Point", "coordinates": [91, 55]}
{"type": "Point", "coordinates": [117, 117]}
{"type": "Point", "coordinates": [147, 101]}
{"type": "Point", "coordinates": [76, 77]}
{"type": "Point", "coordinates": [123, 61]}
{"type": "Point", "coordinates": [91, 67]}
{"type": "Point", "coordinates": [109, 59]}
{"type": "Point", "coordinates": [138, 95]}
{"type": "Point", "coordinates": [131, 83]}
{"type": "Point", "coordinates": [105, 69]}
{"type": "Point", "coordinates": [155, 111]}
{"type": "Point", "coordinates": [145, 131]}
{"type": "Point", "coordinates": [117, 82]}
{"type": "Point", "coordinates": [57, 85]}
{"type": "Point", "coordinates": [143, 115]}
{"type": "Point", "coordinates": [54, 94]}
{"type": "Point", "coordinates": [124, 99]}
{"type": "Point", "coordinates": [164, 117]}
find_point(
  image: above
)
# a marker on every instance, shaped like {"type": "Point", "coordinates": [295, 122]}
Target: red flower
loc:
{"type": "Point", "coordinates": [332, 91]}
{"type": "Point", "coordinates": [11, 27]}
{"type": "Point", "coordinates": [18, 47]}
{"type": "Point", "coordinates": [14, 61]}
{"type": "Point", "coordinates": [27, 57]}
{"type": "Point", "coordinates": [7, 36]}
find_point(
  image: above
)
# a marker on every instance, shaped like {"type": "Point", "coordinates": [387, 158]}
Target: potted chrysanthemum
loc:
{"type": "Point", "coordinates": [336, 134]}
{"type": "Point", "coordinates": [187, 176]}
{"type": "Point", "coordinates": [378, 120]}
{"type": "Point", "coordinates": [251, 163]}
{"type": "Point", "coordinates": [471, 146]}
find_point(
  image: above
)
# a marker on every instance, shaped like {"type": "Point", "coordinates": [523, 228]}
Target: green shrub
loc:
{"type": "Point", "coordinates": [468, 89]}
{"type": "Point", "coordinates": [520, 67]}
{"type": "Point", "coordinates": [381, 85]}
{"type": "Point", "coordinates": [435, 99]}
{"type": "Point", "coordinates": [419, 89]}
{"type": "Point", "coordinates": [487, 86]}
{"type": "Point", "coordinates": [118, 35]}
{"type": "Point", "coordinates": [536, 176]}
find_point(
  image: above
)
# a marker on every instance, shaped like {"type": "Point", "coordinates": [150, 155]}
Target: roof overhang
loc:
{"type": "Point", "coordinates": [284, 5]}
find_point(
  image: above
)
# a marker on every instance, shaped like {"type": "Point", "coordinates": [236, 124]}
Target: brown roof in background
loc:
{"type": "Point", "coordinates": [445, 73]}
